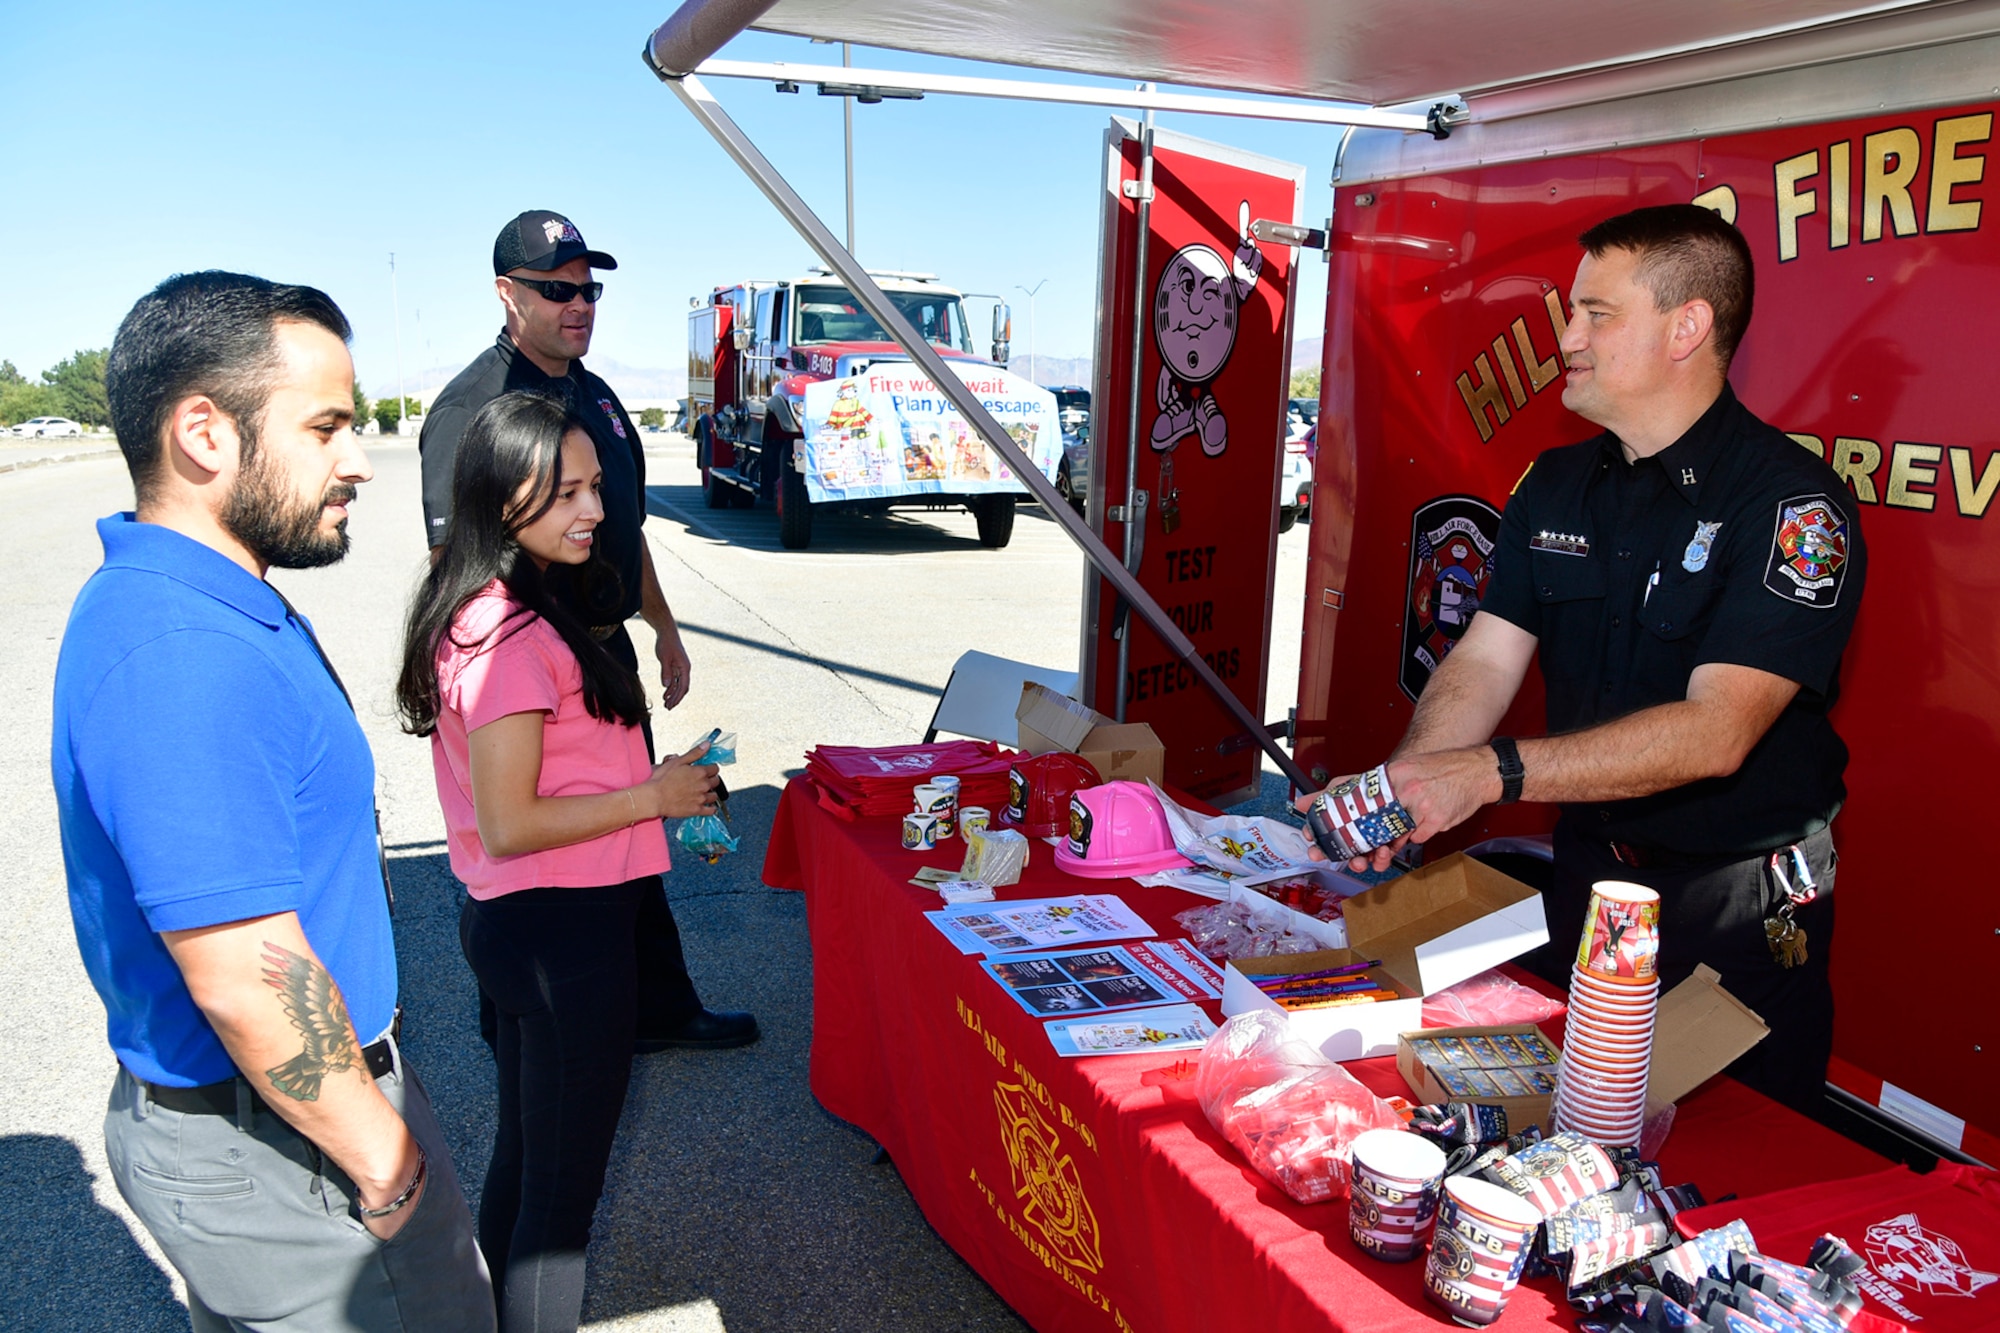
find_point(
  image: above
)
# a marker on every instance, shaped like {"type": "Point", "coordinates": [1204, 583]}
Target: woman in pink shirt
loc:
{"type": "Point", "coordinates": [552, 815]}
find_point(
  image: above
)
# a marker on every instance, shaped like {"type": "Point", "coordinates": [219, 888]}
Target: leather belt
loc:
{"type": "Point", "coordinates": [220, 1098]}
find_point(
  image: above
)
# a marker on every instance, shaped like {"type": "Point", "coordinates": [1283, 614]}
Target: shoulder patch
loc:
{"type": "Point", "coordinates": [1808, 560]}
{"type": "Point", "coordinates": [610, 411]}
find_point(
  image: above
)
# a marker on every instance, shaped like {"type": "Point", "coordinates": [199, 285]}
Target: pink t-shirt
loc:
{"type": "Point", "coordinates": [519, 664]}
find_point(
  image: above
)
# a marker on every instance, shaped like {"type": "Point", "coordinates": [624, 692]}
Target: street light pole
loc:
{"type": "Point", "coordinates": [396, 305]}
{"type": "Point", "coordinates": [1031, 324]}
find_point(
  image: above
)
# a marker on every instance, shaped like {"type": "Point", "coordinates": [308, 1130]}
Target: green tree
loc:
{"type": "Point", "coordinates": [385, 412]}
{"type": "Point", "coordinates": [656, 417]}
{"type": "Point", "coordinates": [1305, 383]}
{"type": "Point", "coordinates": [9, 376]}
{"type": "Point", "coordinates": [360, 406]}
{"type": "Point", "coordinates": [78, 382]}
{"type": "Point", "coordinates": [19, 401]}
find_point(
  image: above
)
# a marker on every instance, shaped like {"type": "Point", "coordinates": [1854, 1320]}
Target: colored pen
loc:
{"type": "Point", "coordinates": [1327, 987]}
{"type": "Point", "coordinates": [1278, 978]}
{"type": "Point", "coordinates": [1339, 1000]}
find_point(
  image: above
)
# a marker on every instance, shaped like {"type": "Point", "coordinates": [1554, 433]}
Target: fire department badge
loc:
{"type": "Point", "coordinates": [1808, 560]}
{"type": "Point", "coordinates": [1695, 558]}
{"type": "Point", "coordinates": [1451, 561]}
{"type": "Point", "coordinates": [610, 411]}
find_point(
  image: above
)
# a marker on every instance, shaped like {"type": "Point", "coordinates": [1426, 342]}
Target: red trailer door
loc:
{"type": "Point", "coordinates": [1213, 369]}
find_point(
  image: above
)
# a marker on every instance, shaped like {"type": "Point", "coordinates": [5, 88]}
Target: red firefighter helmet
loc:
{"type": "Point", "coordinates": [1038, 792]}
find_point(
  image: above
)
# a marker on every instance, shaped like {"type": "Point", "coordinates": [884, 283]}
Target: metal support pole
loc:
{"type": "Point", "coordinates": [1135, 499]}
{"type": "Point", "coordinates": [396, 304]}
{"type": "Point", "coordinates": [847, 129]}
{"type": "Point", "coordinates": [702, 105]}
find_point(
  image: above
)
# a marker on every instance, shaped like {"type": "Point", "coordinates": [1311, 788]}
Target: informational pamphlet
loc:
{"type": "Point", "coordinates": [1120, 977]}
{"type": "Point", "coordinates": [1174, 1027]}
{"type": "Point", "coordinates": [1038, 923]}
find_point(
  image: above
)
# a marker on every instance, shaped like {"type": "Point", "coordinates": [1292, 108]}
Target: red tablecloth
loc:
{"type": "Point", "coordinates": [1088, 1195]}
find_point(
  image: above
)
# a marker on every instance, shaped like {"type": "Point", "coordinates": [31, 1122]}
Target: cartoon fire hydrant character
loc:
{"type": "Point", "coordinates": [848, 415]}
{"type": "Point", "coordinates": [1195, 309]}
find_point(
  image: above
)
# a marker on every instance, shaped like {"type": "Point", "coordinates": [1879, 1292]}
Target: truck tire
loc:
{"type": "Point", "coordinates": [995, 516]}
{"type": "Point", "coordinates": [1288, 516]}
{"type": "Point", "coordinates": [795, 520]}
{"type": "Point", "coordinates": [714, 495]}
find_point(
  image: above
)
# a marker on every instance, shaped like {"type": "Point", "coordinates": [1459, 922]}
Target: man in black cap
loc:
{"type": "Point", "coordinates": [542, 274]}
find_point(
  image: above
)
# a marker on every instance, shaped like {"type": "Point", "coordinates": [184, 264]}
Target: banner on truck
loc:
{"type": "Point", "coordinates": [888, 432]}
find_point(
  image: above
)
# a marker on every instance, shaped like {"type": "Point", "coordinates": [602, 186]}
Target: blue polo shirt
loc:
{"type": "Point", "coordinates": [207, 770]}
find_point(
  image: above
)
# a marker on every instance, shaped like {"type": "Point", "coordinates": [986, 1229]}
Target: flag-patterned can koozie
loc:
{"type": "Point", "coordinates": [1358, 816]}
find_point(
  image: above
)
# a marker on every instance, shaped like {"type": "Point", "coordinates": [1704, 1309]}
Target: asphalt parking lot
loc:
{"type": "Point", "coordinates": [735, 1202]}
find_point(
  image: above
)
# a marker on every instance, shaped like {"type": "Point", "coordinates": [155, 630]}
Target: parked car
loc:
{"type": "Point", "coordinates": [1301, 414]}
{"type": "Point", "coordinates": [1073, 473]}
{"type": "Point", "coordinates": [1295, 494]}
{"type": "Point", "coordinates": [47, 427]}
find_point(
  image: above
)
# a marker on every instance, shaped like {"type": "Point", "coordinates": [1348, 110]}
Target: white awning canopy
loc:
{"type": "Point", "coordinates": [1384, 53]}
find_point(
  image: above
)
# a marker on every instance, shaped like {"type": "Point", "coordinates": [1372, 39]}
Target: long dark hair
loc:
{"type": "Point", "coordinates": [512, 442]}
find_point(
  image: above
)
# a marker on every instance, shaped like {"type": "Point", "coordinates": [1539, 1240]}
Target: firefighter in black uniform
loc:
{"type": "Point", "coordinates": [542, 273]}
{"type": "Point", "coordinates": [1689, 579]}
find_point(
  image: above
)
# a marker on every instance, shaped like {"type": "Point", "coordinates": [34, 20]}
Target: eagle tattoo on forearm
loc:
{"type": "Point", "coordinates": [314, 1005]}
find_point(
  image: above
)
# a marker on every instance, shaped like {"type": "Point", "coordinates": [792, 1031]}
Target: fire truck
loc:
{"type": "Point", "coordinates": [753, 349]}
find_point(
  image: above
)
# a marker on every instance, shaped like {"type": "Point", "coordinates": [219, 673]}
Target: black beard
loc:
{"type": "Point", "coordinates": [276, 528]}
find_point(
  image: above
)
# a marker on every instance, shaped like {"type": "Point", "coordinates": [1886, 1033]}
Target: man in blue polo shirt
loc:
{"type": "Point", "coordinates": [216, 798]}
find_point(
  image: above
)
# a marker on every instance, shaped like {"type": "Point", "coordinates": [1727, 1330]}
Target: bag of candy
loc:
{"type": "Point", "coordinates": [708, 836]}
{"type": "Point", "coordinates": [1293, 1113]}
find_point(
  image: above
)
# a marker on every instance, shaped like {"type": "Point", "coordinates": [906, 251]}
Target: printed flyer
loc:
{"type": "Point", "coordinates": [1174, 1027]}
{"type": "Point", "coordinates": [1038, 923]}
{"type": "Point", "coordinates": [888, 432]}
{"type": "Point", "coordinates": [1087, 980]}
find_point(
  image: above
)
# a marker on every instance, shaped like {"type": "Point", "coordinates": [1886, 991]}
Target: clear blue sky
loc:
{"type": "Point", "coordinates": [306, 143]}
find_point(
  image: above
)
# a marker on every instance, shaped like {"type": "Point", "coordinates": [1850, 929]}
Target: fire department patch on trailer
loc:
{"type": "Point", "coordinates": [1451, 562]}
{"type": "Point", "coordinates": [1808, 552]}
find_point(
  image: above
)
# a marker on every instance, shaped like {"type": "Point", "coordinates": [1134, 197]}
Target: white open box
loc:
{"type": "Point", "coordinates": [1432, 928]}
{"type": "Point", "coordinates": [1332, 934]}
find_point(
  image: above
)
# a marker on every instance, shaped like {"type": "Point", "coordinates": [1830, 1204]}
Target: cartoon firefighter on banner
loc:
{"type": "Point", "coordinates": [1195, 310]}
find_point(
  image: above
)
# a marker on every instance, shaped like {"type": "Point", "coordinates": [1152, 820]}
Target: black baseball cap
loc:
{"type": "Point", "coordinates": [541, 240]}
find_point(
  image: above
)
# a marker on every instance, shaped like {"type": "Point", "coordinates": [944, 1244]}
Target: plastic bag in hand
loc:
{"type": "Point", "coordinates": [1488, 1000]}
{"type": "Point", "coordinates": [1291, 1112]}
{"type": "Point", "coordinates": [706, 836]}
{"type": "Point", "coordinates": [721, 750]}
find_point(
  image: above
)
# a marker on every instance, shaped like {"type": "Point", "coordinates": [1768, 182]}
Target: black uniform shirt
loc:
{"type": "Point", "coordinates": [502, 368]}
{"type": "Point", "coordinates": [1731, 545]}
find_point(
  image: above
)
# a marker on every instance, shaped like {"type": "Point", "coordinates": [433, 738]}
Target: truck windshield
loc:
{"type": "Point", "coordinates": [831, 314]}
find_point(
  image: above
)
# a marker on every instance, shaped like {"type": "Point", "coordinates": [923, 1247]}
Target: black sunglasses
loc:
{"type": "Point", "coordinates": [562, 293]}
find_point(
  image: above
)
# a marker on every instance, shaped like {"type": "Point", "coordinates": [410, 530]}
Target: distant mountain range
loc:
{"type": "Point", "coordinates": [1054, 370]}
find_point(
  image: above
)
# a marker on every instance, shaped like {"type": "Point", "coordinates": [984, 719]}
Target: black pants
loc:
{"type": "Point", "coordinates": [666, 994]}
{"type": "Point", "coordinates": [1715, 915]}
{"type": "Point", "coordinates": [557, 967]}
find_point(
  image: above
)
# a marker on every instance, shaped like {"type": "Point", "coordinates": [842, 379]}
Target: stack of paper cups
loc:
{"type": "Point", "coordinates": [1614, 999]}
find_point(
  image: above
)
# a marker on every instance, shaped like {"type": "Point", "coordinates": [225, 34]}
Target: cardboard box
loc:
{"type": "Point", "coordinates": [1521, 1111]}
{"type": "Point", "coordinates": [1432, 928]}
{"type": "Point", "coordinates": [1119, 751]}
{"type": "Point", "coordinates": [1349, 1032]}
{"type": "Point", "coordinates": [1702, 1028]}
{"type": "Point", "coordinates": [1330, 934]}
